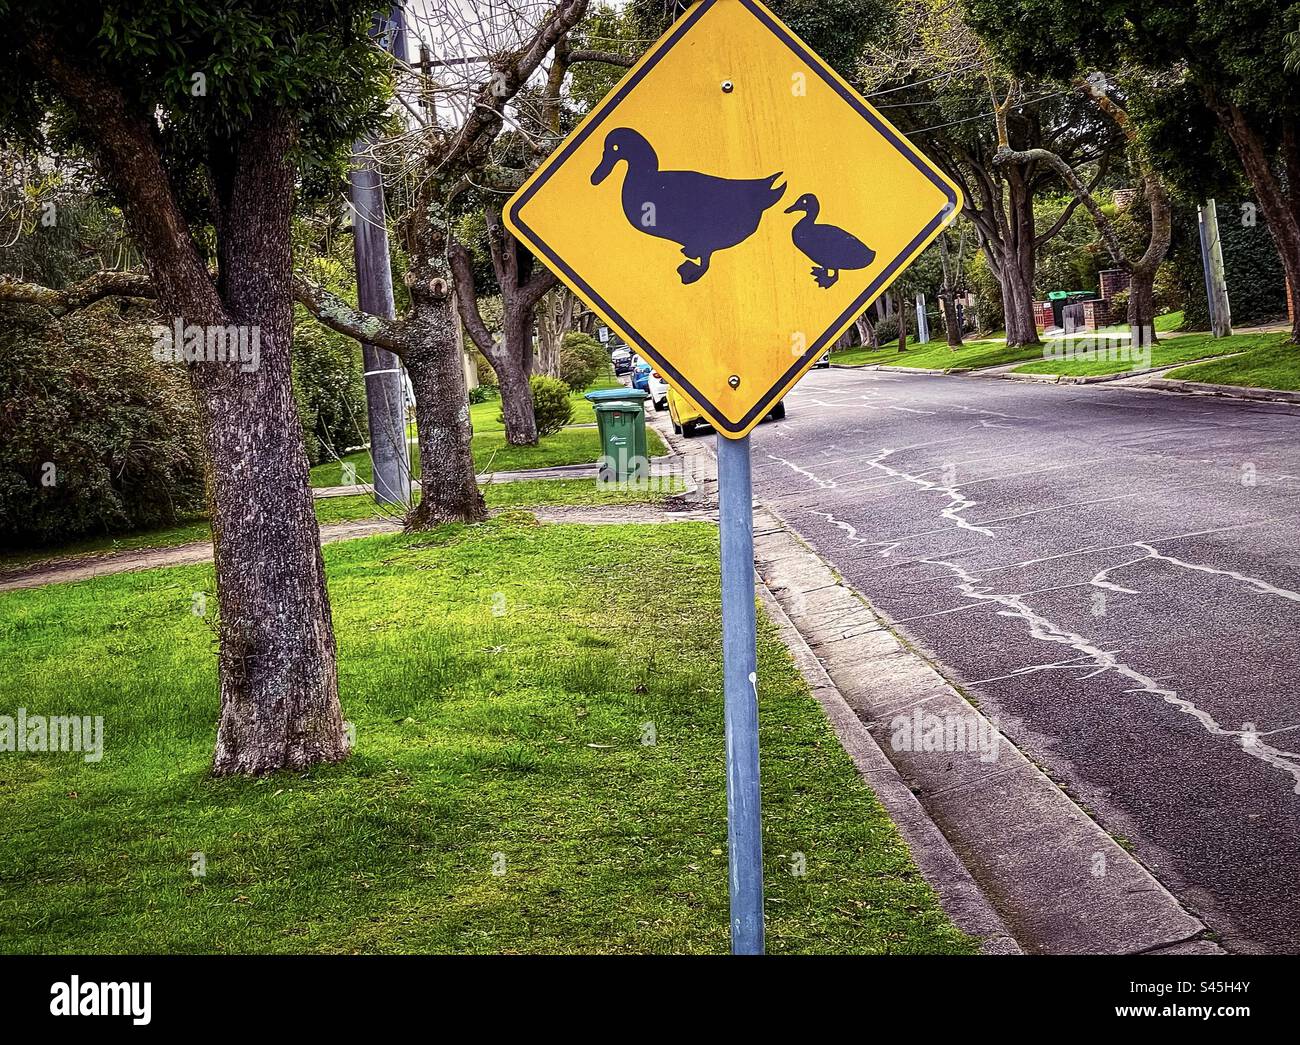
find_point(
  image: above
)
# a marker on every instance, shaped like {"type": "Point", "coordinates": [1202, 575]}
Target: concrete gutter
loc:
{"type": "Point", "coordinates": [1266, 395]}
{"type": "Point", "coordinates": [958, 894]}
{"type": "Point", "coordinates": [1056, 880]}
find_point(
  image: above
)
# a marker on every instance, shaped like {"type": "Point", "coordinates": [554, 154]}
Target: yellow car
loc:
{"type": "Point", "coordinates": [687, 419]}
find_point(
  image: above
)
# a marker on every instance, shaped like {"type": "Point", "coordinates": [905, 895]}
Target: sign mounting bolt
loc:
{"type": "Point", "coordinates": [728, 86]}
{"type": "Point", "coordinates": [733, 381]}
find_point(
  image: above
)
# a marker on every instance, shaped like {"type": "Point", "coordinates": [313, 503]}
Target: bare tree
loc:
{"type": "Point", "coordinates": [458, 106]}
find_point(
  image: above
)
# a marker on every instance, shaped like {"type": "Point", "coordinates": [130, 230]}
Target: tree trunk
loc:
{"type": "Point", "coordinates": [1017, 307]}
{"type": "Point", "coordinates": [279, 687]}
{"type": "Point", "coordinates": [517, 404]}
{"type": "Point", "coordinates": [951, 325]}
{"type": "Point", "coordinates": [1142, 307]}
{"type": "Point", "coordinates": [448, 487]}
{"type": "Point", "coordinates": [512, 365]}
{"type": "Point", "coordinates": [554, 318]}
{"type": "Point", "coordinates": [1283, 221]}
{"type": "Point", "coordinates": [867, 331]}
{"type": "Point", "coordinates": [902, 322]}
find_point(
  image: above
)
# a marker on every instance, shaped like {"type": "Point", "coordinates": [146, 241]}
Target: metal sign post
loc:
{"type": "Point", "coordinates": [740, 692]}
{"type": "Point", "coordinates": [729, 210]}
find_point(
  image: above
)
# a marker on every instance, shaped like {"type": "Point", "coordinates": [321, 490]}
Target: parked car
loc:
{"type": "Point", "coordinates": [658, 389]}
{"type": "Point", "coordinates": [622, 360]}
{"type": "Point", "coordinates": [687, 419]}
{"type": "Point", "coordinates": [641, 375]}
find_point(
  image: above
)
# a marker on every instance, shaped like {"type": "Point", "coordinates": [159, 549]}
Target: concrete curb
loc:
{"type": "Point", "coordinates": [1059, 883]}
{"type": "Point", "coordinates": [1265, 395]}
{"type": "Point", "coordinates": [1076, 379]}
{"type": "Point", "coordinates": [958, 894]}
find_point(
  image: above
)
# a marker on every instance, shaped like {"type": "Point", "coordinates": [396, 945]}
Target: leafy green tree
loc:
{"type": "Point", "coordinates": [202, 120]}
{"type": "Point", "coordinates": [1224, 74]}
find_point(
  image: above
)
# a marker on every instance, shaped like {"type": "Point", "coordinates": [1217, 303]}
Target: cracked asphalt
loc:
{"type": "Point", "coordinates": [1113, 574]}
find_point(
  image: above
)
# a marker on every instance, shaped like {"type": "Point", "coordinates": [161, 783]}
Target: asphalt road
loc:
{"type": "Point", "coordinates": [1113, 574]}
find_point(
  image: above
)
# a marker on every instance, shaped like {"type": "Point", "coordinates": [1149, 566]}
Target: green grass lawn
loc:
{"type": "Point", "coordinates": [492, 453]}
{"type": "Point", "coordinates": [526, 493]}
{"type": "Point", "coordinates": [1271, 362]}
{"type": "Point", "coordinates": [1169, 321]}
{"type": "Point", "coordinates": [936, 355]}
{"type": "Point", "coordinates": [502, 681]}
{"type": "Point", "coordinates": [1165, 353]}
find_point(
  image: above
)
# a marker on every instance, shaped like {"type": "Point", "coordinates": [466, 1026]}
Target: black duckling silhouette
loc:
{"type": "Point", "coordinates": [702, 212]}
{"type": "Point", "coordinates": [831, 248]}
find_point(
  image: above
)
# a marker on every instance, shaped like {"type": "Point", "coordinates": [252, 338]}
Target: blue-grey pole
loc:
{"type": "Point", "coordinates": [740, 691]}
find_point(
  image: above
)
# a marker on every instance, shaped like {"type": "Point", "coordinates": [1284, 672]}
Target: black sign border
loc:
{"type": "Point", "coordinates": [768, 399]}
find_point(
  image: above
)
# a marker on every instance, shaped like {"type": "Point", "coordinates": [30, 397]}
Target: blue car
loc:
{"type": "Point", "coordinates": [641, 377]}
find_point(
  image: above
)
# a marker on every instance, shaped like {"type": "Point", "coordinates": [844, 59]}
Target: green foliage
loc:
{"type": "Point", "coordinates": [1070, 259]}
{"type": "Point", "coordinates": [1256, 282]}
{"type": "Point", "coordinates": [483, 393]}
{"type": "Point", "coordinates": [582, 360]}
{"type": "Point", "coordinates": [86, 406]}
{"type": "Point", "coordinates": [887, 331]}
{"type": "Point", "coordinates": [1234, 50]}
{"type": "Point", "coordinates": [551, 405]}
{"type": "Point", "coordinates": [576, 369]}
{"type": "Point", "coordinates": [201, 74]}
{"type": "Point", "coordinates": [988, 292]}
{"type": "Point", "coordinates": [329, 388]}
{"type": "Point", "coordinates": [1252, 268]}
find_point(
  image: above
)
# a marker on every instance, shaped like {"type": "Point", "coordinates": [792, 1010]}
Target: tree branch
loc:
{"type": "Point", "coordinates": [1068, 175]}
{"type": "Point", "coordinates": [77, 295]}
{"type": "Point", "coordinates": [607, 57]}
{"type": "Point", "coordinates": [542, 280]}
{"type": "Point", "coordinates": [338, 315]}
{"type": "Point", "coordinates": [462, 275]}
{"type": "Point", "coordinates": [1070, 207]}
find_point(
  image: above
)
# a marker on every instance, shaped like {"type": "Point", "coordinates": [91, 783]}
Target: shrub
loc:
{"type": "Point", "coordinates": [551, 405]}
{"type": "Point", "coordinates": [95, 435]}
{"type": "Point", "coordinates": [483, 393]}
{"type": "Point", "coordinates": [588, 346]}
{"type": "Point", "coordinates": [1118, 308]}
{"type": "Point", "coordinates": [576, 369]}
{"type": "Point", "coordinates": [487, 376]}
{"type": "Point", "coordinates": [887, 331]}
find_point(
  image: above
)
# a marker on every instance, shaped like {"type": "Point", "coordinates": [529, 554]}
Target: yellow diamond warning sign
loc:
{"type": "Point", "coordinates": [731, 207]}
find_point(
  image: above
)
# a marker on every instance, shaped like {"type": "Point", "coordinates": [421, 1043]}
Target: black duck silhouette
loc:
{"type": "Point", "coordinates": [702, 212]}
{"type": "Point", "coordinates": [831, 248]}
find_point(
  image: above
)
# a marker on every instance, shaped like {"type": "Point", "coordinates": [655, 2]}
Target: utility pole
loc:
{"type": "Point", "coordinates": [385, 382]}
{"type": "Point", "coordinates": [1216, 284]}
{"type": "Point", "coordinates": [922, 320]}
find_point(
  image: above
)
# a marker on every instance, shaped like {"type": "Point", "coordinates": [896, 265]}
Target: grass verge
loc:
{"type": "Point", "coordinates": [1270, 363]}
{"type": "Point", "coordinates": [1164, 353]}
{"type": "Point", "coordinates": [936, 355]}
{"type": "Point", "coordinates": [522, 494]}
{"type": "Point", "coordinates": [504, 682]}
